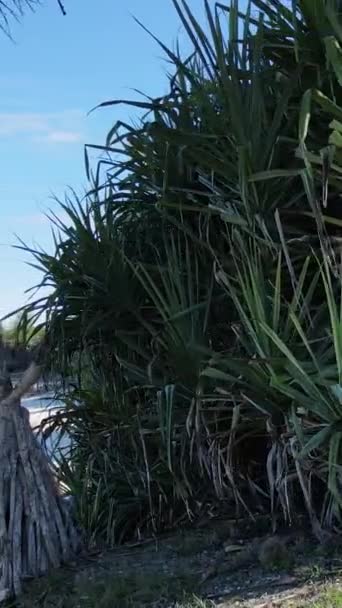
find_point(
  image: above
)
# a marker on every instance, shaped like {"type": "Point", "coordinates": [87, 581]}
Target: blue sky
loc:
{"type": "Point", "coordinates": [57, 69]}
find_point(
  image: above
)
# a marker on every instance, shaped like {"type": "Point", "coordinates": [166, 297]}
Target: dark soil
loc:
{"type": "Point", "coordinates": [212, 564]}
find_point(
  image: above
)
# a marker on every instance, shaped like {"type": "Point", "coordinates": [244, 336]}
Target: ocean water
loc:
{"type": "Point", "coordinates": [40, 408]}
{"type": "Point", "coordinates": [41, 402]}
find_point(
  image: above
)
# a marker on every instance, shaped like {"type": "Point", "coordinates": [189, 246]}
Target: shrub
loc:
{"type": "Point", "coordinates": [196, 294]}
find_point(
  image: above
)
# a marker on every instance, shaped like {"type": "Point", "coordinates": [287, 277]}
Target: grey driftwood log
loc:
{"type": "Point", "coordinates": [36, 529]}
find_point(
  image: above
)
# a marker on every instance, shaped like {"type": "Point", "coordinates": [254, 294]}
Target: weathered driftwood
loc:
{"type": "Point", "coordinates": [36, 530]}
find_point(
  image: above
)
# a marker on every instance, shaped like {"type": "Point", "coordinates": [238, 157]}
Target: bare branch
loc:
{"type": "Point", "coordinates": [29, 378]}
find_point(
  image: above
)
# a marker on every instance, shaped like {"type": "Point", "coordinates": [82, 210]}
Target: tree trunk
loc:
{"type": "Point", "coordinates": [36, 530]}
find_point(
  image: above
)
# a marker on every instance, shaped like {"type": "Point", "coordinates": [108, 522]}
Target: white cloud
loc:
{"type": "Point", "coordinates": [61, 137]}
{"type": "Point", "coordinates": [40, 217]}
{"type": "Point", "coordinates": [57, 127]}
{"type": "Point", "coordinates": [12, 123]}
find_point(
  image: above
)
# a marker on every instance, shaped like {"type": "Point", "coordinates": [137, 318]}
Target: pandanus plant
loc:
{"type": "Point", "coordinates": [202, 275]}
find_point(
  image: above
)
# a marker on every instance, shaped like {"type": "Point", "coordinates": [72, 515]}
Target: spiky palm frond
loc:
{"type": "Point", "coordinates": [192, 272]}
{"type": "Point", "coordinates": [13, 10]}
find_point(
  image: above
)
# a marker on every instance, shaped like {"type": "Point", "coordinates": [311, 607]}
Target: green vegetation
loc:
{"type": "Point", "coordinates": [332, 598]}
{"type": "Point", "coordinates": [20, 332]}
{"type": "Point", "coordinates": [196, 291]}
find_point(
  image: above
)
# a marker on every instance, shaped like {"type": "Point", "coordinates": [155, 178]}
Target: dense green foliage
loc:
{"type": "Point", "coordinates": [197, 289]}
